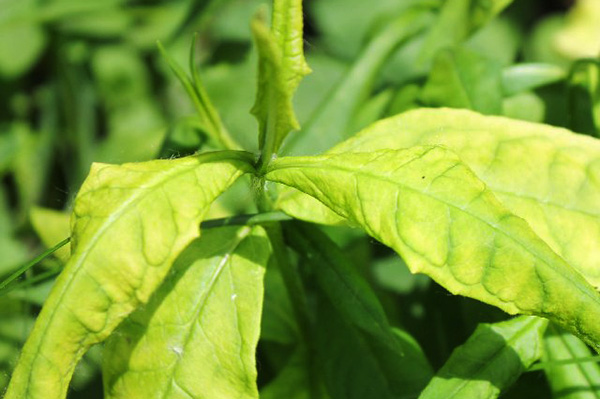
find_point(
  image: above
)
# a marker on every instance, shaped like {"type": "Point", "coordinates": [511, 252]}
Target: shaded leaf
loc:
{"type": "Point", "coordinates": [398, 357]}
{"type": "Point", "coordinates": [457, 20]}
{"type": "Point", "coordinates": [490, 361]}
{"type": "Point", "coordinates": [293, 381]}
{"type": "Point", "coordinates": [197, 336]}
{"type": "Point", "coordinates": [355, 366]}
{"type": "Point", "coordinates": [429, 207]}
{"type": "Point", "coordinates": [461, 78]}
{"type": "Point", "coordinates": [130, 222]}
{"type": "Point", "coordinates": [330, 122]}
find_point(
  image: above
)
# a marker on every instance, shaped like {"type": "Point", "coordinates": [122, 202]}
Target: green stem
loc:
{"type": "Point", "coordinates": [246, 220]}
{"type": "Point", "coordinates": [32, 281]}
{"type": "Point", "coordinates": [206, 111]}
{"type": "Point", "coordinates": [31, 263]}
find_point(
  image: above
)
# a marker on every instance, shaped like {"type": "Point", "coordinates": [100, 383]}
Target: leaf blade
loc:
{"type": "Point", "coordinates": [547, 175]}
{"type": "Point", "coordinates": [210, 307]}
{"type": "Point", "coordinates": [574, 381]}
{"type": "Point", "coordinates": [447, 224]}
{"type": "Point", "coordinates": [91, 296]}
{"type": "Point", "coordinates": [490, 361]}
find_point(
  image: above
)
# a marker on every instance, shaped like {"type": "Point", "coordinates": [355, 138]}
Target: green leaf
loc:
{"type": "Point", "coordinates": [401, 360]}
{"type": "Point", "coordinates": [197, 336]}
{"type": "Point", "coordinates": [130, 223]}
{"type": "Point", "coordinates": [490, 361]}
{"type": "Point", "coordinates": [572, 381]}
{"type": "Point", "coordinates": [23, 38]}
{"type": "Point", "coordinates": [278, 322]}
{"type": "Point", "coordinates": [546, 175]}
{"type": "Point", "coordinates": [430, 208]}
{"type": "Point", "coordinates": [355, 366]}
{"type": "Point", "coordinates": [456, 21]}
{"type": "Point", "coordinates": [330, 122]}
{"type": "Point", "coordinates": [336, 21]}
{"type": "Point", "coordinates": [522, 77]}
{"type": "Point", "coordinates": [461, 78]}
{"type": "Point", "coordinates": [293, 382]}
{"type": "Point", "coordinates": [583, 103]}
{"type": "Point", "coordinates": [281, 67]}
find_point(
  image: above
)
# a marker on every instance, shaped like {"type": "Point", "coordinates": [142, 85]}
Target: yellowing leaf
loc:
{"type": "Point", "coordinates": [52, 226]}
{"type": "Point", "coordinates": [130, 223]}
{"type": "Point", "coordinates": [429, 207]}
{"type": "Point", "coordinates": [548, 176]}
{"type": "Point", "coordinates": [197, 336]}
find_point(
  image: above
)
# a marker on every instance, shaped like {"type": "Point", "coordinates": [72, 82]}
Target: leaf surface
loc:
{"type": "Point", "coordinates": [397, 358]}
{"type": "Point", "coordinates": [130, 222]}
{"type": "Point", "coordinates": [428, 206]}
{"type": "Point", "coordinates": [548, 176]}
{"type": "Point", "coordinates": [490, 361]}
{"type": "Point", "coordinates": [197, 336]}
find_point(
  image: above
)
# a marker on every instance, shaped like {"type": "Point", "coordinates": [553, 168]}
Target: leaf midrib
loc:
{"type": "Point", "coordinates": [225, 258]}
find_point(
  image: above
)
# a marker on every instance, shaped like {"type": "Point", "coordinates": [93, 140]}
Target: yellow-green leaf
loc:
{"type": "Point", "coordinates": [434, 211]}
{"type": "Point", "coordinates": [197, 336]}
{"type": "Point", "coordinates": [548, 176]}
{"type": "Point", "coordinates": [52, 226]}
{"type": "Point", "coordinates": [129, 224]}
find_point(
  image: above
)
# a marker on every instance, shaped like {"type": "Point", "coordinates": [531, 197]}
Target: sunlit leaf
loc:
{"type": "Point", "coordinates": [434, 211]}
{"type": "Point", "coordinates": [130, 222]}
{"type": "Point", "coordinates": [546, 175]}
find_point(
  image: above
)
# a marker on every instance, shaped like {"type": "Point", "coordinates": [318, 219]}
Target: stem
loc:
{"type": "Point", "coordinates": [32, 263]}
{"type": "Point", "coordinates": [31, 281]}
{"type": "Point", "coordinates": [206, 111]}
{"type": "Point", "coordinates": [246, 220]}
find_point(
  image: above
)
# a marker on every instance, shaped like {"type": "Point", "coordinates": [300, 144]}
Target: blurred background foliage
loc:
{"type": "Point", "coordinates": [83, 82]}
